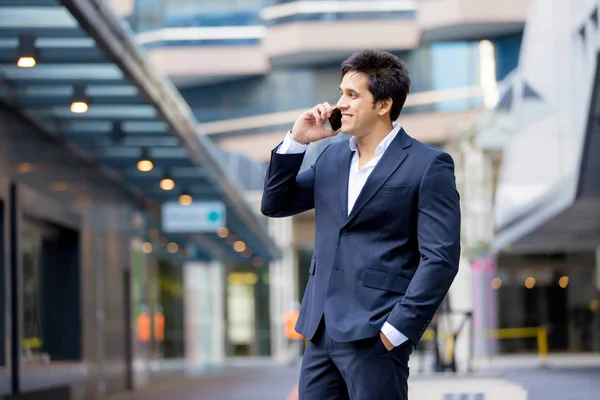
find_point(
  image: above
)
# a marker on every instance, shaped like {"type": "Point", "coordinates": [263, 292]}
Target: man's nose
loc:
{"type": "Point", "coordinates": [341, 103]}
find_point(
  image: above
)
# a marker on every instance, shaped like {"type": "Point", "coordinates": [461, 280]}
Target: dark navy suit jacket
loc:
{"type": "Point", "coordinates": [393, 258]}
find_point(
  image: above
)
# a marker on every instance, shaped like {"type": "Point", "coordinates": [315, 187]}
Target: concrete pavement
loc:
{"type": "Point", "coordinates": [561, 380]}
{"type": "Point", "coordinates": [261, 382]}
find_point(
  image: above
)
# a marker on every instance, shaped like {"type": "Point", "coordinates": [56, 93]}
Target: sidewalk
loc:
{"type": "Point", "coordinates": [243, 382]}
{"type": "Point", "coordinates": [569, 376]}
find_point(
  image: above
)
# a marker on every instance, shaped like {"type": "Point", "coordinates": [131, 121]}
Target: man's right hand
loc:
{"type": "Point", "coordinates": [309, 127]}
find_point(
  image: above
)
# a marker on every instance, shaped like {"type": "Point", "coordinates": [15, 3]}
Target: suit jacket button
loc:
{"type": "Point", "coordinates": [343, 232]}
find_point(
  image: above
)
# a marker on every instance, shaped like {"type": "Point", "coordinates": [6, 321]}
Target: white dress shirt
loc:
{"type": "Point", "coordinates": [356, 181]}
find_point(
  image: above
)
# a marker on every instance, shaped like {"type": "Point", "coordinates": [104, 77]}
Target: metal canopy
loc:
{"type": "Point", "coordinates": [132, 109]}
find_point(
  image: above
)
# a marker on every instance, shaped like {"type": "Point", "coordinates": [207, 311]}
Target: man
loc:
{"type": "Point", "coordinates": [387, 240]}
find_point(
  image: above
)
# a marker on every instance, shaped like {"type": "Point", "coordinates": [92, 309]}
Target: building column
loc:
{"type": "Point", "coordinates": [596, 318]}
{"type": "Point", "coordinates": [283, 283]}
{"type": "Point", "coordinates": [204, 315]}
{"type": "Point", "coordinates": [472, 290]}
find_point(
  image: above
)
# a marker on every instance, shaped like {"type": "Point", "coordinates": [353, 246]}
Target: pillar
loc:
{"type": "Point", "coordinates": [596, 319]}
{"type": "Point", "coordinates": [283, 280]}
{"type": "Point", "coordinates": [471, 290]}
{"type": "Point", "coordinates": [204, 315]}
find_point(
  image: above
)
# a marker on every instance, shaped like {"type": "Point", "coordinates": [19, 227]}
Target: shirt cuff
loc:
{"type": "Point", "coordinates": [290, 146]}
{"type": "Point", "coordinates": [394, 335]}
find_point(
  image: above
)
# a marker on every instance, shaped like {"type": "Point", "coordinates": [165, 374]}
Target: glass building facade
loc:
{"type": "Point", "coordinates": [434, 67]}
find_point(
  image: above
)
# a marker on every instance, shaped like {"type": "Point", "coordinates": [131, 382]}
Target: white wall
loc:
{"type": "Point", "coordinates": [544, 151]}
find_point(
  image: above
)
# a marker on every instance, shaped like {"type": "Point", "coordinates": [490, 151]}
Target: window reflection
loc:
{"type": "Point", "coordinates": [51, 317]}
{"type": "Point", "coordinates": [31, 243]}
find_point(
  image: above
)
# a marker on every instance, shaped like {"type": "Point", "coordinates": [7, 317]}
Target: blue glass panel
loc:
{"type": "Point", "coordinates": [454, 64]}
{"type": "Point", "coordinates": [148, 15]}
{"type": "Point", "coordinates": [507, 50]}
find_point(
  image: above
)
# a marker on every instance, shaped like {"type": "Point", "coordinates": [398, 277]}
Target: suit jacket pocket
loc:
{"type": "Point", "coordinates": [395, 189]}
{"type": "Point", "coordinates": [385, 281]}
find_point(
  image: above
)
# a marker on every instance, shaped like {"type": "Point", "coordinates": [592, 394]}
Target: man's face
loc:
{"type": "Point", "coordinates": [356, 104]}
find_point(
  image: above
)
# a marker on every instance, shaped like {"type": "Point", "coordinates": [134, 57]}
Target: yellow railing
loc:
{"type": "Point", "coordinates": [540, 333]}
{"type": "Point", "coordinates": [31, 343]}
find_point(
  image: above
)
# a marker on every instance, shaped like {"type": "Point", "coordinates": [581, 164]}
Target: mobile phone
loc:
{"type": "Point", "coordinates": [335, 121]}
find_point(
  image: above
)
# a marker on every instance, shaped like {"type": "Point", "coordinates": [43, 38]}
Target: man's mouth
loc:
{"type": "Point", "coordinates": [346, 116]}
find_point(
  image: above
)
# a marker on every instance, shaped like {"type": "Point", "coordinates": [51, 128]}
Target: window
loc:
{"type": "Point", "coordinates": [3, 268]}
{"type": "Point", "coordinates": [50, 292]}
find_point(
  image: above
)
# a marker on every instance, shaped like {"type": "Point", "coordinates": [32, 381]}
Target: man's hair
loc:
{"type": "Point", "coordinates": [388, 76]}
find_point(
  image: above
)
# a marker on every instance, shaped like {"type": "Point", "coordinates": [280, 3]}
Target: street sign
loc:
{"type": "Point", "coordinates": [195, 218]}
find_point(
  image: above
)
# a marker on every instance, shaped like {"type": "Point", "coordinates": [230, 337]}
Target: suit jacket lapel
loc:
{"type": "Point", "coordinates": [389, 163]}
{"type": "Point", "coordinates": [343, 171]}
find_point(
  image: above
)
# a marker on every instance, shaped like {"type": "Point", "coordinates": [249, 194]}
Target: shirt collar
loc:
{"type": "Point", "coordinates": [383, 145]}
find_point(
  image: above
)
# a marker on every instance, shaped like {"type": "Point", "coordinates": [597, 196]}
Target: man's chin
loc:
{"type": "Point", "coordinates": [347, 129]}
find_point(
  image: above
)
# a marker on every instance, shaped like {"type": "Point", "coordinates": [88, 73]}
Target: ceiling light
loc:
{"type": "Point", "coordinates": [25, 168]}
{"type": "Point", "coordinates": [257, 262]}
{"type": "Point", "coordinates": [185, 199]}
{"type": "Point", "coordinates": [26, 52]}
{"type": "Point", "coordinates": [563, 282]}
{"type": "Point", "coordinates": [223, 232]}
{"type": "Point", "coordinates": [496, 283]}
{"type": "Point", "coordinates": [117, 134]}
{"type": "Point", "coordinates": [26, 62]}
{"type": "Point", "coordinates": [145, 164]}
{"type": "Point", "coordinates": [239, 246]}
{"type": "Point", "coordinates": [59, 186]}
{"type": "Point", "coordinates": [167, 183]}
{"type": "Point", "coordinates": [530, 282]}
{"type": "Point", "coordinates": [172, 247]}
{"type": "Point", "coordinates": [147, 248]}
{"type": "Point", "coordinates": [79, 103]}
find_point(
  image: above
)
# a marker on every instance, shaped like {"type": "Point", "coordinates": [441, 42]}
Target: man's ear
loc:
{"type": "Point", "coordinates": [385, 106]}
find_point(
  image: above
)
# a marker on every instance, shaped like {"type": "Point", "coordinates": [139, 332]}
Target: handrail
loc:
{"type": "Point", "coordinates": [538, 332]}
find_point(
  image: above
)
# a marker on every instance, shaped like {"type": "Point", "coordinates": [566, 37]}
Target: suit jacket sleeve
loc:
{"type": "Point", "coordinates": [287, 192]}
{"type": "Point", "coordinates": [438, 231]}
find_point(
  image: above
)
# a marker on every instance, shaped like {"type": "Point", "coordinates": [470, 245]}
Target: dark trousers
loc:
{"type": "Point", "coordinates": [361, 370]}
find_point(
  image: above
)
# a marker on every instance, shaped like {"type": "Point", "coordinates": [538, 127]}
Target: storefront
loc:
{"type": "Point", "coordinates": [93, 142]}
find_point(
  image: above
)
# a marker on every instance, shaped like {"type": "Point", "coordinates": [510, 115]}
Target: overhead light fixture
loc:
{"type": "Point", "coordinates": [223, 232]}
{"type": "Point", "coordinates": [563, 282]}
{"type": "Point", "coordinates": [117, 134]}
{"type": "Point", "coordinates": [79, 103]}
{"type": "Point", "coordinates": [172, 248]}
{"type": "Point", "coordinates": [257, 262]}
{"type": "Point", "coordinates": [145, 163]}
{"type": "Point", "coordinates": [530, 282]}
{"type": "Point", "coordinates": [239, 246]}
{"type": "Point", "coordinates": [147, 248]}
{"type": "Point", "coordinates": [186, 198]}
{"type": "Point", "coordinates": [167, 183]}
{"type": "Point", "coordinates": [25, 168]}
{"type": "Point", "coordinates": [496, 283]}
{"type": "Point", "coordinates": [26, 52]}
{"type": "Point", "coordinates": [59, 187]}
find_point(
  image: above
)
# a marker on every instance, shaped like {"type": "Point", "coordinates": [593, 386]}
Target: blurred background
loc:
{"type": "Point", "coordinates": [134, 139]}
